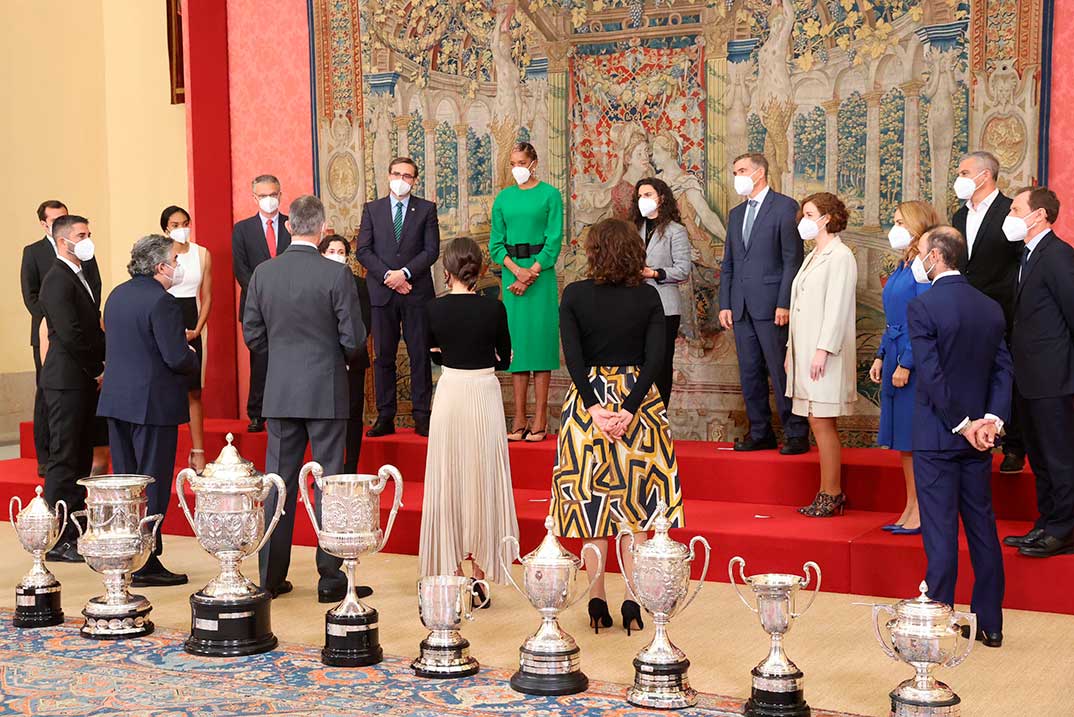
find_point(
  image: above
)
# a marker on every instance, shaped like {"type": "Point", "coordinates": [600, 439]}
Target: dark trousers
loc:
{"type": "Point", "coordinates": [41, 439]}
{"type": "Point", "coordinates": [150, 451]}
{"type": "Point", "coordinates": [287, 440]}
{"type": "Point", "coordinates": [762, 347]}
{"type": "Point", "coordinates": [1049, 439]}
{"type": "Point", "coordinates": [258, 371]}
{"type": "Point", "coordinates": [667, 370]}
{"type": "Point", "coordinates": [70, 426]}
{"type": "Point", "coordinates": [404, 316]}
{"type": "Point", "coordinates": [355, 427]}
{"type": "Point", "coordinates": [952, 484]}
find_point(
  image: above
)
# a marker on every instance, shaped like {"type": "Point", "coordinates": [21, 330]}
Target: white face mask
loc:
{"type": "Point", "coordinates": [899, 237]}
{"type": "Point", "coordinates": [338, 258]}
{"type": "Point", "coordinates": [808, 229]}
{"type": "Point", "coordinates": [966, 186]}
{"type": "Point", "coordinates": [647, 206]}
{"type": "Point", "coordinates": [400, 187]}
{"type": "Point", "coordinates": [268, 205]}
{"type": "Point", "coordinates": [521, 174]}
{"type": "Point", "coordinates": [921, 274]}
{"type": "Point", "coordinates": [83, 249]}
{"type": "Point", "coordinates": [744, 184]}
{"type": "Point", "coordinates": [180, 234]}
{"type": "Point", "coordinates": [1016, 228]}
{"type": "Point", "coordinates": [177, 273]}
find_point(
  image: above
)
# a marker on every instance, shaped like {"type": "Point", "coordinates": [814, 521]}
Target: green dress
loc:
{"type": "Point", "coordinates": [530, 216]}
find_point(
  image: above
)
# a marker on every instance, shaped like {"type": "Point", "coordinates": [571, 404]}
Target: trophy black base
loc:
{"type": "Point", "coordinates": [662, 686]}
{"type": "Point", "coordinates": [37, 607]}
{"type": "Point", "coordinates": [230, 627]}
{"type": "Point", "coordinates": [902, 707]}
{"type": "Point", "coordinates": [351, 640]}
{"type": "Point", "coordinates": [441, 662]}
{"type": "Point", "coordinates": [549, 674]}
{"type": "Point", "coordinates": [767, 702]}
{"type": "Point", "coordinates": [117, 626]}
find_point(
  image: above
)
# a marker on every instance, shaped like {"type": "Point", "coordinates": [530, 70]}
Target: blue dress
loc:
{"type": "Point", "coordinates": [897, 404]}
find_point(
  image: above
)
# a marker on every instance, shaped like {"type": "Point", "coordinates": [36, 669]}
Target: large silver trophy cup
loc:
{"type": "Point", "coordinates": [777, 682]}
{"type": "Point", "coordinates": [925, 635]}
{"type": "Point", "coordinates": [118, 539]}
{"type": "Point", "coordinates": [660, 583]}
{"type": "Point", "coordinates": [549, 660]}
{"type": "Point", "coordinates": [37, 596]}
{"type": "Point", "coordinates": [444, 601]}
{"type": "Point", "coordinates": [350, 528]}
{"type": "Point", "coordinates": [230, 616]}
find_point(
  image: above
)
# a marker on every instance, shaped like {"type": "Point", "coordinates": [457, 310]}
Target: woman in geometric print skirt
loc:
{"type": "Point", "coordinates": [615, 459]}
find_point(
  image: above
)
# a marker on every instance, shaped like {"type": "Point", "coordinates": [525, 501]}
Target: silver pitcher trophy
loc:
{"type": "Point", "coordinates": [444, 601]}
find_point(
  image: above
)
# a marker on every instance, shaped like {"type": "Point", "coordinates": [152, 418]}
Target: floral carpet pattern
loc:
{"type": "Point", "coordinates": [55, 671]}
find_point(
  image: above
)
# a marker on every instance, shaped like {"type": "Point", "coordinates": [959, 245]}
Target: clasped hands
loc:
{"type": "Point", "coordinates": [613, 424]}
{"type": "Point", "coordinates": [396, 281]}
{"type": "Point", "coordinates": [524, 278]}
{"type": "Point", "coordinates": [981, 434]}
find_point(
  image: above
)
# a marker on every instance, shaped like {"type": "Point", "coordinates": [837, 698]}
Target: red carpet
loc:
{"type": "Point", "coordinates": [742, 503]}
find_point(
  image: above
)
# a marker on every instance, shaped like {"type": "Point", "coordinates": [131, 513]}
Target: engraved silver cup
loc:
{"type": "Point", "coordinates": [37, 595]}
{"type": "Point", "coordinates": [444, 601]}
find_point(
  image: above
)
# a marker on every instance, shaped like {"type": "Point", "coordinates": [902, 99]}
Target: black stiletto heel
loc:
{"type": "Point", "coordinates": [631, 612]}
{"type": "Point", "coordinates": [479, 598]}
{"type": "Point", "coordinates": [598, 614]}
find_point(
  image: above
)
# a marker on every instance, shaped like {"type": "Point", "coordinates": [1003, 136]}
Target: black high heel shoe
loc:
{"type": "Point", "coordinates": [598, 614]}
{"type": "Point", "coordinates": [631, 612]}
{"type": "Point", "coordinates": [479, 600]}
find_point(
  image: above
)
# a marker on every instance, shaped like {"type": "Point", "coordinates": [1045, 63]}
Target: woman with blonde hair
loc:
{"type": "Point", "coordinates": [893, 367]}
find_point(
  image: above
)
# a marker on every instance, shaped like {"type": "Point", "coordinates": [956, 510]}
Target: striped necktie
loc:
{"type": "Point", "coordinates": [398, 221]}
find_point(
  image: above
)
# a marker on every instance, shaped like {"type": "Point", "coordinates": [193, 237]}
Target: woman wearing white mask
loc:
{"type": "Point", "coordinates": [526, 238]}
{"type": "Point", "coordinates": [193, 290]}
{"type": "Point", "coordinates": [667, 262]}
{"type": "Point", "coordinates": [821, 348]}
{"type": "Point", "coordinates": [893, 367]}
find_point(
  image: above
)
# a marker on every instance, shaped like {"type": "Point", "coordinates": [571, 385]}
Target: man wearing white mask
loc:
{"type": "Point", "coordinates": [398, 242]}
{"type": "Point", "coordinates": [991, 260]}
{"type": "Point", "coordinates": [1042, 344]}
{"type": "Point", "coordinates": [254, 240]}
{"type": "Point", "coordinates": [761, 257]}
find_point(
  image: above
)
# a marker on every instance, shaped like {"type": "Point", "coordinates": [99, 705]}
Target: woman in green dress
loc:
{"type": "Point", "coordinates": [526, 237]}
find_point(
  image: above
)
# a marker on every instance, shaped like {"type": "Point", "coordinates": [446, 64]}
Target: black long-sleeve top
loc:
{"type": "Point", "coordinates": [470, 331]}
{"type": "Point", "coordinates": [612, 325]}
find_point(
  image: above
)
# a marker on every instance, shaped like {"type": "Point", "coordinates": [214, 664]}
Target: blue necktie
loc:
{"type": "Point", "coordinates": [398, 221]}
{"type": "Point", "coordinates": [751, 215]}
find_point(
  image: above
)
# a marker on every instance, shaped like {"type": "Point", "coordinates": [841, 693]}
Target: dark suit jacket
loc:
{"type": "Point", "coordinates": [148, 358]}
{"type": "Point", "coordinates": [301, 309]}
{"type": "Point", "coordinates": [249, 248]}
{"type": "Point", "coordinates": [993, 266]}
{"type": "Point", "coordinates": [758, 278]}
{"type": "Point", "coordinates": [37, 259]}
{"type": "Point", "coordinates": [1042, 339]}
{"type": "Point", "coordinates": [76, 342]}
{"type": "Point", "coordinates": [416, 250]}
{"type": "Point", "coordinates": [963, 365]}
{"type": "Point", "coordinates": [361, 360]}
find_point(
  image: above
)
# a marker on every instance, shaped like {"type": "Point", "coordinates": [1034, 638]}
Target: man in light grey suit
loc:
{"type": "Point", "coordinates": [303, 309]}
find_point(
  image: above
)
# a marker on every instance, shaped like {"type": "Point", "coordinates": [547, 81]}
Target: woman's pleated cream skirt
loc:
{"type": "Point", "coordinates": [469, 505]}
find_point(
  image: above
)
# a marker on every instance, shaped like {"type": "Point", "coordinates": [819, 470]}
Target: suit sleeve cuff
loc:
{"type": "Point", "coordinates": [995, 419]}
{"type": "Point", "coordinates": [386, 275]}
{"type": "Point", "coordinates": [961, 426]}
{"type": "Point", "coordinates": [406, 273]}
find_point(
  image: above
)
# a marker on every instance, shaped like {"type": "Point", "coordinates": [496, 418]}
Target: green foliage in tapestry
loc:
{"type": "Point", "coordinates": [755, 133]}
{"type": "Point", "coordinates": [523, 135]}
{"type": "Point", "coordinates": [810, 149]}
{"type": "Point", "coordinates": [415, 137]}
{"type": "Point", "coordinates": [892, 117]}
{"type": "Point", "coordinates": [925, 161]}
{"type": "Point", "coordinates": [851, 138]}
{"type": "Point", "coordinates": [478, 163]}
{"type": "Point", "coordinates": [447, 167]}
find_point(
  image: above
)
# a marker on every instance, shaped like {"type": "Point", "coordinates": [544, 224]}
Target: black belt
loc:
{"type": "Point", "coordinates": [523, 251]}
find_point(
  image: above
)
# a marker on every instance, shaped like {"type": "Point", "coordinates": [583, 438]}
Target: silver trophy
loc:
{"type": "Point", "coordinates": [350, 528]}
{"type": "Point", "coordinates": [117, 540]}
{"type": "Point", "coordinates": [231, 616]}
{"type": "Point", "coordinates": [444, 601]}
{"type": "Point", "coordinates": [777, 682]}
{"type": "Point", "coordinates": [549, 661]}
{"type": "Point", "coordinates": [925, 635]}
{"type": "Point", "coordinates": [37, 596]}
{"type": "Point", "coordinates": [660, 583]}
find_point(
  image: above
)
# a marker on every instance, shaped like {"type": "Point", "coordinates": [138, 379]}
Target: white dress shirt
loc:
{"type": "Point", "coordinates": [79, 273]}
{"type": "Point", "coordinates": [275, 219]}
{"type": "Point", "coordinates": [974, 217]}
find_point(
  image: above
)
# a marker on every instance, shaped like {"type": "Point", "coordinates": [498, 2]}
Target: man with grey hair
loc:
{"type": "Point", "coordinates": [144, 393]}
{"type": "Point", "coordinates": [254, 240]}
{"type": "Point", "coordinates": [302, 310]}
{"type": "Point", "coordinates": [991, 264]}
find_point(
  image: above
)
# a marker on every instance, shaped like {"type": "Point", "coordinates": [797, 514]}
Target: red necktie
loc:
{"type": "Point", "coordinates": [270, 237]}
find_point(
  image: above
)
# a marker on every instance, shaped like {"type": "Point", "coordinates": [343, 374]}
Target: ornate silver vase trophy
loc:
{"type": "Point", "coordinates": [549, 660]}
{"type": "Point", "coordinates": [118, 539]}
{"type": "Point", "coordinates": [230, 616]}
{"type": "Point", "coordinates": [37, 596]}
{"type": "Point", "coordinates": [777, 682]}
{"type": "Point", "coordinates": [660, 583]}
{"type": "Point", "coordinates": [925, 635]}
{"type": "Point", "coordinates": [444, 601]}
{"type": "Point", "coordinates": [349, 529]}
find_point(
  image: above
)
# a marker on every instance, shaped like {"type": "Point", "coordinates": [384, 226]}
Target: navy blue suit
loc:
{"type": "Point", "coordinates": [756, 279]}
{"type": "Point", "coordinates": [963, 371]}
{"type": "Point", "coordinates": [144, 392]}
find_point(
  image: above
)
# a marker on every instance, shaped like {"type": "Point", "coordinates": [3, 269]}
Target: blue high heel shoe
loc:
{"type": "Point", "coordinates": [890, 527]}
{"type": "Point", "coordinates": [906, 531]}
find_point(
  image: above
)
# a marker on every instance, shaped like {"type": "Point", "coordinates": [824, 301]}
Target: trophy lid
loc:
{"type": "Point", "coordinates": [550, 552]}
{"type": "Point", "coordinates": [662, 545]}
{"type": "Point", "coordinates": [923, 609]}
{"type": "Point", "coordinates": [230, 467]}
{"type": "Point", "coordinates": [37, 507]}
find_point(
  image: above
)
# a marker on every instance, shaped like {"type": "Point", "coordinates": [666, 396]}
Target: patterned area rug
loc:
{"type": "Point", "coordinates": [55, 671]}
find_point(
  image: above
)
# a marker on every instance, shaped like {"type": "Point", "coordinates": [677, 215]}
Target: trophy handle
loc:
{"type": "Point", "coordinates": [72, 517]}
{"type": "Point", "coordinates": [619, 556]}
{"type": "Point", "coordinates": [742, 573]}
{"type": "Point", "coordinates": [156, 520]}
{"type": "Point", "coordinates": [593, 578]}
{"type": "Point", "coordinates": [885, 642]}
{"type": "Point", "coordinates": [970, 619]}
{"type": "Point", "coordinates": [816, 588]}
{"type": "Point", "coordinates": [281, 495]}
{"type": "Point", "coordinates": [180, 479]}
{"type": "Point", "coordinates": [303, 492]}
{"type": "Point", "coordinates": [506, 565]}
{"type": "Point", "coordinates": [385, 472]}
{"type": "Point", "coordinates": [704, 569]}
{"type": "Point", "coordinates": [488, 598]}
{"type": "Point", "coordinates": [11, 508]}
{"type": "Point", "coordinates": [59, 533]}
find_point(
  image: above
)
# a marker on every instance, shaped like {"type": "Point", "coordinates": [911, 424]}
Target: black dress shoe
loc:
{"type": "Point", "coordinates": [157, 578]}
{"type": "Point", "coordinates": [1048, 545]}
{"type": "Point", "coordinates": [1020, 541]}
{"type": "Point", "coordinates": [795, 446]}
{"type": "Point", "coordinates": [281, 589]}
{"type": "Point", "coordinates": [64, 553]}
{"type": "Point", "coordinates": [421, 427]}
{"type": "Point", "coordinates": [749, 443]}
{"type": "Point", "coordinates": [1012, 463]}
{"type": "Point", "coordinates": [256, 425]}
{"type": "Point", "coordinates": [337, 594]}
{"type": "Point", "coordinates": [382, 427]}
{"type": "Point", "coordinates": [988, 639]}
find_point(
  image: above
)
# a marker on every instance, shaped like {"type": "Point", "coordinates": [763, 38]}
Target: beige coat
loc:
{"type": "Point", "coordinates": [823, 314]}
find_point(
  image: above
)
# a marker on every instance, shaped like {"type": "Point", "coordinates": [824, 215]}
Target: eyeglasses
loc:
{"type": "Point", "coordinates": [262, 196]}
{"type": "Point", "coordinates": [398, 175]}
